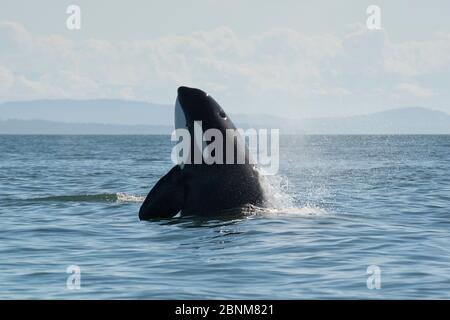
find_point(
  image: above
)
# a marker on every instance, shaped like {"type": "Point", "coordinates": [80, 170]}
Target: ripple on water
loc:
{"type": "Point", "coordinates": [353, 201]}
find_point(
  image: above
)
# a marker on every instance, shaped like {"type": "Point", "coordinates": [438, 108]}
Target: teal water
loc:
{"type": "Point", "coordinates": [354, 201]}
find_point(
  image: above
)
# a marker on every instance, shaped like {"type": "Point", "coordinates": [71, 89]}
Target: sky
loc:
{"type": "Point", "coordinates": [286, 58]}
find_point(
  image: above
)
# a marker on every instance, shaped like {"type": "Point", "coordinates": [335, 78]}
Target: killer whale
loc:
{"type": "Point", "coordinates": [204, 189]}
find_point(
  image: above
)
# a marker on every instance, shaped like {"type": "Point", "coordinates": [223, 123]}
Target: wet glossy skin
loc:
{"type": "Point", "coordinates": [202, 189]}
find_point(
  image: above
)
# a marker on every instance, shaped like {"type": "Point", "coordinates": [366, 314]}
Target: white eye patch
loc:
{"type": "Point", "coordinates": [180, 119]}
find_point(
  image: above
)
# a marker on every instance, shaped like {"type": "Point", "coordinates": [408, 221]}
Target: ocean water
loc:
{"type": "Point", "coordinates": [344, 203]}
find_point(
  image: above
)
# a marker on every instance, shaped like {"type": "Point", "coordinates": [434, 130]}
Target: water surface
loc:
{"type": "Point", "coordinates": [354, 201]}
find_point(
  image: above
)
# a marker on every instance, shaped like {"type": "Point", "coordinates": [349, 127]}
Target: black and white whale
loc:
{"type": "Point", "coordinates": [203, 188]}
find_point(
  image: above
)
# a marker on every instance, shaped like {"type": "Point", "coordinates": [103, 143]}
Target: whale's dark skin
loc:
{"type": "Point", "coordinates": [204, 189]}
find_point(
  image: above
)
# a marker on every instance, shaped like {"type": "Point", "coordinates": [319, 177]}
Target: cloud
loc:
{"type": "Point", "coordinates": [14, 36]}
{"type": "Point", "coordinates": [279, 67]}
{"type": "Point", "coordinates": [419, 58]}
{"type": "Point", "coordinates": [6, 78]}
{"type": "Point", "coordinates": [415, 90]}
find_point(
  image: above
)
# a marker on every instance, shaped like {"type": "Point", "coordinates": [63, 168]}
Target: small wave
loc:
{"type": "Point", "coordinates": [294, 211]}
{"type": "Point", "coordinates": [285, 211]}
{"type": "Point", "coordinates": [103, 197]}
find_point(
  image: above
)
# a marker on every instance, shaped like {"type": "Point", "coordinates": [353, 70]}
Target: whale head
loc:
{"type": "Point", "coordinates": [196, 105]}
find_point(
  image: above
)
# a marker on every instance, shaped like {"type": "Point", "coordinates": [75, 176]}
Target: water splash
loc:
{"type": "Point", "coordinates": [123, 197]}
{"type": "Point", "coordinates": [294, 211]}
{"type": "Point", "coordinates": [276, 188]}
{"type": "Point", "coordinates": [103, 197]}
{"type": "Point", "coordinates": [280, 202]}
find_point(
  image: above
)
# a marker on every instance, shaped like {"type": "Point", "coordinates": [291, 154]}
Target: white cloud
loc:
{"type": "Point", "coordinates": [280, 66]}
{"type": "Point", "coordinates": [415, 90]}
{"type": "Point", "coordinates": [6, 79]}
{"type": "Point", "coordinates": [14, 36]}
{"type": "Point", "coordinates": [418, 58]}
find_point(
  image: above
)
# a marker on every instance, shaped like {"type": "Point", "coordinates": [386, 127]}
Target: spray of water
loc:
{"type": "Point", "coordinates": [280, 201]}
{"type": "Point", "coordinates": [102, 197]}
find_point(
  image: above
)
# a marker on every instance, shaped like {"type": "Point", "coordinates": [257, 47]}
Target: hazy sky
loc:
{"type": "Point", "coordinates": [291, 58]}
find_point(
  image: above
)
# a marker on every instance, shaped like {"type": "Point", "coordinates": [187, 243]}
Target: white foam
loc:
{"type": "Point", "coordinates": [280, 202]}
{"type": "Point", "coordinates": [123, 197]}
{"type": "Point", "coordinates": [294, 211]}
{"type": "Point", "coordinates": [276, 190]}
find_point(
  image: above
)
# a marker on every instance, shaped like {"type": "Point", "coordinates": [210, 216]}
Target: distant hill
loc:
{"type": "Point", "coordinates": [122, 112]}
{"type": "Point", "coordinates": [413, 120]}
{"type": "Point", "coordinates": [133, 117]}
{"type": "Point", "coordinates": [52, 127]}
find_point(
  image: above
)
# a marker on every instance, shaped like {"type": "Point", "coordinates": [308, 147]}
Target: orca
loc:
{"type": "Point", "coordinates": [205, 189]}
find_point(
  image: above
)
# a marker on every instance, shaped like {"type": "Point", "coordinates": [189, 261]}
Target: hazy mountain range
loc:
{"type": "Point", "coordinates": [132, 117]}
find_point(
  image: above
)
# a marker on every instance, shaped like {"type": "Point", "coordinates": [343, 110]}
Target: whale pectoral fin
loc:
{"type": "Point", "coordinates": [165, 199]}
